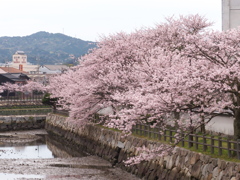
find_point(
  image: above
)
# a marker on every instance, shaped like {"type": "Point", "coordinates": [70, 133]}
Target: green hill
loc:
{"type": "Point", "coordinates": [45, 48]}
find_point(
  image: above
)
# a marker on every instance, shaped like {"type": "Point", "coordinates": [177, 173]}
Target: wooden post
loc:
{"type": "Point", "coordinates": [170, 134]}
{"type": "Point", "coordinates": [196, 142]}
{"type": "Point", "coordinates": [212, 144]}
{"type": "Point", "coordinates": [159, 135]}
{"type": "Point", "coordinates": [229, 147]}
{"type": "Point", "coordinates": [238, 148]}
{"type": "Point", "coordinates": [219, 145]}
{"type": "Point", "coordinates": [149, 131]}
{"type": "Point", "coordinates": [145, 130]}
{"type": "Point", "coordinates": [164, 135]}
{"type": "Point", "coordinates": [141, 130]}
{"type": "Point", "coordinates": [136, 127]}
{"type": "Point", "coordinates": [190, 139]}
{"type": "Point", "coordinates": [183, 139]}
{"type": "Point", "coordinates": [154, 133]}
{"type": "Point", "coordinates": [204, 143]}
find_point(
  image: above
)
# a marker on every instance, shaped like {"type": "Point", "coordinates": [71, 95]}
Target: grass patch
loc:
{"type": "Point", "coordinates": [201, 143]}
{"type": "Point", "coordinates": [24, 107]}
{"type": "Point", "coordinates": [25, 111]}
{"type": "Point", "coordinates": [204, 142]}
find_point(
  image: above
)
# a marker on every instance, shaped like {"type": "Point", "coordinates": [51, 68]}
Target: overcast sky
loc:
{"type": "Point", "coordinates": [90, 19]}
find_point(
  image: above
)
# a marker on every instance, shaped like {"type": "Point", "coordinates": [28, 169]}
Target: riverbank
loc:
{"type": "Point", "coordinates": [181, 164]}
{"type": "Point", "coordinates": [22, 122]}
{"type": "Point", "coordinates": [64, 167]}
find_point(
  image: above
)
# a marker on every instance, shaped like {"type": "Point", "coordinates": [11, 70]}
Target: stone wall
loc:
{"type": "Point", "coordinates": [181, 165]}
{"type": "Point", "coordinates": [26, 122]}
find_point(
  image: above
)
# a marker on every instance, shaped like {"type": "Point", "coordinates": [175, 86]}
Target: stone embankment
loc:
{"type": "Point", "coordinates": [181, 165]}
{"type": "Point", "coordinates": [27, 122]}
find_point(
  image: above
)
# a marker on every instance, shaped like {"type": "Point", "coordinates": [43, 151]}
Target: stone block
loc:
{"type": "Point", "coordinates": [215, 172]}
{"type": "Point", "coordinates": [173, 174]}
{"type": "Point", "coordinates": [171, 162]}
{"type": "Point", "coordinates": [181, 164]}
{"type": "Point", "coordinates": [120, 145]}
{"type": "Point", "coordinates": [205, 158]}
{"type": "Point", "coordinates": [205, 170]}
{"type": "Point", "coordinates": [196, 170]}
{"type": "Point", "coordinates": [210, 167]}
{"type": "Point", "coordinates": [195, 157]}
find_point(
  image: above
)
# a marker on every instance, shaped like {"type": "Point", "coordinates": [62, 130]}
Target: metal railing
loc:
{"type": "Point", "coordinates": [21, 97]}
{"type": "Point", "coordinates": [60, 112]}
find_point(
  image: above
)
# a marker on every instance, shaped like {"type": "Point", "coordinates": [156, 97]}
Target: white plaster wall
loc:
{"type": "Point", "coordinates": [230, 14]}
{"type": "Point", "coordinates": [19, 58]}
{"type": "Point", "coordinates": [221, 124]}
{"type": "Point", "coordinates": [43, 69]}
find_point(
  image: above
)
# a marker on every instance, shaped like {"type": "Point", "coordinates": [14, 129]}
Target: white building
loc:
{"type": "Point", "coordinates": [19, 57]}
{"type": "Point", "coordinates": [53, 69]}
{"type": "Point", "coordinates": [230, 14]}
{"type": "Point", "coordinates": [19, 61]}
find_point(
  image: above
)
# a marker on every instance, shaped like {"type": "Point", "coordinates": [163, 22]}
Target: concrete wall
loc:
{"type": "Point", "coordinates": [8, 123]}
{"type": "Point", "coordinates": [181, 165]}
{"type": "Point", "coordinates": [230, 14]}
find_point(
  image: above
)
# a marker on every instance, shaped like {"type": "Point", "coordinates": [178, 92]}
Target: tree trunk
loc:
{"type": "Point", "coordinates": [203, 128]}
{"type": "Point", "coordinates": [236, 125]}
{"type": "Point", "coordinates": [176, 117]}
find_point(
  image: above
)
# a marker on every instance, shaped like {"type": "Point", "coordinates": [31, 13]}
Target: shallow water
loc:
{"type": "Point", "coordinates": [33, 146]}
{"type": "Point", "coordinates": [8, 176]}
{"type": "Point", "coordinates": [25, 152]}
{"type": "Point", "coordinates": [36, 155]}
{"type": "Point", "coordinates": [19, 146]}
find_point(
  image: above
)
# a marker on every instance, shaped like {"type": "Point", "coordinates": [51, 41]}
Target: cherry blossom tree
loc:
{"type": "Point", "coordinates": [178, 74]}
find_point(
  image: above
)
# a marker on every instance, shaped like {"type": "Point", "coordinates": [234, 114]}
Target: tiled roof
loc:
{"type": "Point", "coordinates": [13, 77]}
{"type": "Point", "coordinates": [12, 70]}
{"type": "Point", "coordinates": [20, 52]}
{"type": "Point", "coordinates": [56, 67]}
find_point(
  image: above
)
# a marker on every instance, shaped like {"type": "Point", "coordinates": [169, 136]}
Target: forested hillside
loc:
{"type": "Point", "coordinates": [45, 48]}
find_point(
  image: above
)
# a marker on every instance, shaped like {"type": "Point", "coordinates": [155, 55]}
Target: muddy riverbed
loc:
{"type": "Point", "coordinates": [34, 155]}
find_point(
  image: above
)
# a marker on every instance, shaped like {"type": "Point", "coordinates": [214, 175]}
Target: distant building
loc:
{"type": "Point", "coordinates": [4, 70]}
{"type": "Point", "coordinates": [14, 78]}
{"type": "Point", "coordinates": [20, 64]}
{"type": "Point", "coordinates": [40, 78]}
{"type": "Point", "coordinates": [53, 69]}
{"type": "Point", "coordinates": [230, 14]}
{"type": "Point", "coordinates": [19, 58]}
{"type": "Point", "coordinates": [19, 61]}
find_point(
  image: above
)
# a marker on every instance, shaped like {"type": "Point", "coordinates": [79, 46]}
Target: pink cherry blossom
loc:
{"type": "Point", "coordinates": [178, 74]}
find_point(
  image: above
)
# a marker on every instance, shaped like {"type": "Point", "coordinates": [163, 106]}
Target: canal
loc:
{"type": "Point", "coordinates": [34, 154]}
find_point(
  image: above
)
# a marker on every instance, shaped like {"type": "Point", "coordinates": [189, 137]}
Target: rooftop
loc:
{"type": "Point", "coordinates": [20, 52]}
{"type": "Point", "coordinates": [56, 67]}
{"type": "Point", "coordinates": [11, 70]}
{"type": "Point", "coordinates": [18, 77]}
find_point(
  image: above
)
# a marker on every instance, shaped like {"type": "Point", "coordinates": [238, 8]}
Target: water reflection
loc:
{"type": "Point", "coordinates": [63, 149]}
{"type": "Point", "coordinates": [25, 152]}
{"type": "Point", "coordinates": [42, 146]}
{"type": "Point", "coordinates": [7, 176]}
